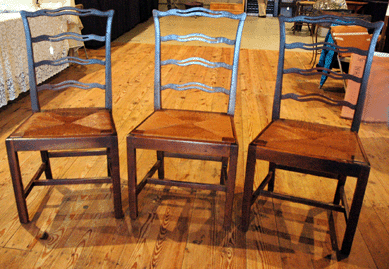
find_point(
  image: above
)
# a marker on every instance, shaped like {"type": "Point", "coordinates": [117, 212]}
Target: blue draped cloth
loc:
{"type": "Point", "coordinates": [326, 58]}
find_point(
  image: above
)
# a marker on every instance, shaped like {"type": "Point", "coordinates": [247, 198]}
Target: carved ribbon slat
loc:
{"type": "Point", "coordinates": [194, 85]}
{"type": "Point", "coordinates": [197, 61]}
{"type": "Point", "coordinates": [70, 83]}
{"type": "Point", "coordinates": [322, 71]}
{"type": "Point", "coordinates": [317, 97]}
{"type": "Point", "coordinates": [197, 37]}
{"type": "Point", "coordinates": [66, 36]}
{"type": "Point", "coordinates": [325, 46]}
{"type": "Point", "coordinates": [70, 59]}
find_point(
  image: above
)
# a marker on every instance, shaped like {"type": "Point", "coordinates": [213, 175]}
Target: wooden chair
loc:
{"type": "Point", "coordinates": [186, 133]}
{"type": "Point", "coordinates": [65, 132]}
{"type": "Point", "coordinates": [313, 148]}
{"type": "Point", "coordinates": [304, 8]}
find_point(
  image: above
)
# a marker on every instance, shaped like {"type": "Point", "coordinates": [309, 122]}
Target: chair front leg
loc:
{"type": "Point", "coordinates": [339, 189]}
{"type": "Point", "coordinates": [355, 210]}
{"type": "Point", "coordinates": [248, 188]}
{"type": "Point", "coordinates": [115, 175]}
{"type": "Point", "coordinates": [132, 180]}
{"type": "Point", "coordinates": [46, 161]}
{"type": "Point", "coordinates": [223, 173]}
{"type": "Point", "coordinates": [17, 182]}
{"type": "Point", "coordinates": [272, 168]}
{"type": "Point", "coordinates": [231, 185]}
{"type": "Point", "coordinates": [161, 168]}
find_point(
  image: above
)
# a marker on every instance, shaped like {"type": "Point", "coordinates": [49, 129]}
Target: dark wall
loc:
{"type": "Point", "coordinates": [377, 10]}
{"type": "Point", "coordinates": [128, 13]}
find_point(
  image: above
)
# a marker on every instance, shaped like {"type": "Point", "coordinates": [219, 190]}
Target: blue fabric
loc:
{"type": "Point", "coordinates": [326, 58]}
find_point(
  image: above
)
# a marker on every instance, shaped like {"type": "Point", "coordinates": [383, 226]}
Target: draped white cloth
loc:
{"type": "Point", "coordinates": [13, 53]}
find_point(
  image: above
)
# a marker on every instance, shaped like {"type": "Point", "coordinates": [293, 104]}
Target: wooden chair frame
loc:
{"type": "Point", "coordinates": [225, 150]}
{"type": "Point", "coordinates": [51, 143]}
{"type": "Point", "coordinates": [306, 159]}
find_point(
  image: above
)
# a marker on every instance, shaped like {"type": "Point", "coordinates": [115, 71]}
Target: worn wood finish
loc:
{"type": "Point", "coordinates": [74, 131]}
{"type": "Point", "coordinates": [305, 146]}
{"type": "Point", "coordinates": [177, 227]}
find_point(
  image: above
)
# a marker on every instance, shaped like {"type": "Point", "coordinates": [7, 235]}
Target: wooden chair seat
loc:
{"type": "Point", "coordinates": [188, 125]}
{"type": "Point", "coordinates": [312, 140]}
{"type": "Point", "coordinates": [72, 122]}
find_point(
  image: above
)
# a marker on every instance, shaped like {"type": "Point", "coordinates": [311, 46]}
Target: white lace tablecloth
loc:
{"type": "Point", "coordinates": [13, 53]}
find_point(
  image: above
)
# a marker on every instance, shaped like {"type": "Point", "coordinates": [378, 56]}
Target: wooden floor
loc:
{"type": "Point", "coordinates": [74, 227]}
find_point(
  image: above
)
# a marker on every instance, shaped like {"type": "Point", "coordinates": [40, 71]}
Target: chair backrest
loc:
{"type": "Point", "coordinates": [197, 12]}
{"type": "Point", "coordinates": [64, 37]}
{"type": "Point", "coordinates": [374, 28]}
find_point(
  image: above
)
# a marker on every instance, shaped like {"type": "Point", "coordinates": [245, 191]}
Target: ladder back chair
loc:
{"type": "Point", "coordinates": [189, 134]}
{"type": "Point", "coordinates": [70, 131]}
{"type": "Point", "coordinates": [309, 147]}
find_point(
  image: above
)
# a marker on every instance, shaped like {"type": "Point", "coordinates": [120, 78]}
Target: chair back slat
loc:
{"type": "Point", "coordinates": [198, 61]}
{"type": "Point", "coordinates": [67, 36]}
{"type": "Point", "coordinates": [64, 61]}
{"type": "Point", "coordinates": [198, 37]}
{"type": "Point", "coordinates": [195, 85]}
{"type": "Point", "coordinates": [319, 98]}
{"type": "Point", "coordinates": [326, 46]}
{"type": "Point", "coordinates": [70, 83]}
{"type": "Point", "coordinates": [69, 59]}
{"type": "Point", "coordinates": [322, 71]}
{"type": "Point", "coordinates": [347, 48]}
{"type": "Point", "coordinates": [159, 38]}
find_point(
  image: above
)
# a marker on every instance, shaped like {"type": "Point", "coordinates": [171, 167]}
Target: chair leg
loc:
{"type": "Point", "coordinates": [339, 188]}
{"type": "Point", "coordinates": [46, 160]}
{"type": "Point", "coordinates": [109, 166]}
{"type": "Point", "coordinates": [86, 53]}
{"type": "Point", "coordinates": [272, 168]}
{"type": "Point", "coordinates": [230, 186]}
{"type": "Point", "coordinates": [115, 175]}
{"type": "Point", "coordinates": [248, 188]}
{"type": "Point", "coordinates": [132, 180]}
{"type": "Point", "coordinates": [223, 171]}
{"type": "Point", "coordinates": [341, 71]}
{"type": "Point", "coordinates": [161, 168]}
{"type": "Point", "coordinates": [355, 210]}
{"type": "Point", "coordinates": [17, 183]}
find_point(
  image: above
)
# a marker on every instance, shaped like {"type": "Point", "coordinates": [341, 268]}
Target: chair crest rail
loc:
{"type": "Point", "coordinates": [331, 20]}
{"type": "Point", "coordinates": [199, 12]}
{"type": "Point", "coordinates": [68, 11]}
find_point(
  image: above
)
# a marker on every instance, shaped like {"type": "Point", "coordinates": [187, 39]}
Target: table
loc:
{"type": "Point", "coordinates": [356, 6]}
{"type": "Point", "coordinates": [13, 53]}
